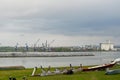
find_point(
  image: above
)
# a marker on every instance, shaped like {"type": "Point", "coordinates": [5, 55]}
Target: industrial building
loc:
{"type": "Point", "coordinates": [107, 46]}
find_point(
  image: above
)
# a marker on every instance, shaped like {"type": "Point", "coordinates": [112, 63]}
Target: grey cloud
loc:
{"type": "Point", "coordinates": [75, 17]}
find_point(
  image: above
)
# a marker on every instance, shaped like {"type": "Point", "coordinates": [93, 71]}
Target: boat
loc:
{"type": "Point", "coordinates": [102, 67]}
{"type": "Point", "coordinates": [99, 67]}
{"type": "Point", "coordinates": [112, 72]}
{"type": "Point", "coordinates": [12, 68]}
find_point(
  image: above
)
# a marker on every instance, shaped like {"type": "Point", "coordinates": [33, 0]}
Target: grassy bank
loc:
{"type": "Point", "coordinates": [93, 75]}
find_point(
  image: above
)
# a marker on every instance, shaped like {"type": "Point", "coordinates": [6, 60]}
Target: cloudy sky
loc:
{"type": "Point", "coordinates": [68, 22]}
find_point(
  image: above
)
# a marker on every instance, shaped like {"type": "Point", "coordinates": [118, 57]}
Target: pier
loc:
{"type": "Point", "coordinates": [43, 54]}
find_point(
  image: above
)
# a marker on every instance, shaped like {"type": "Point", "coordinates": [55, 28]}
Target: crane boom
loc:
{"type": "Point", "coordinates": [51, 42]}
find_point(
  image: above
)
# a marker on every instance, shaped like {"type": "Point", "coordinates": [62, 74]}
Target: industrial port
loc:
{"type": "Point", "coordinates": [46, 47]}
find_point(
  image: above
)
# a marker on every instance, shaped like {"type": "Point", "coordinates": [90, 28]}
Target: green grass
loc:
{"type": "Point", "coordinates": [93, 75]}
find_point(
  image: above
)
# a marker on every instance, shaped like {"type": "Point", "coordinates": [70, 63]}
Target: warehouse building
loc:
{"type": "Point", "coordinates": [107, 46]}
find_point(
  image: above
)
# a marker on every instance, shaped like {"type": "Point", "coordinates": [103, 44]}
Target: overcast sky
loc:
{"type": "Point", "coordinates": [68, 22]}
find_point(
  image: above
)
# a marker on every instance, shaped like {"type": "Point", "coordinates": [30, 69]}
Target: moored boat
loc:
{"type": "Point", "coordinates": [99, 67]}
{"type": "Point", "coordinates": [12, 68]}
{"type": "Point", "coordinates": [102, 67]}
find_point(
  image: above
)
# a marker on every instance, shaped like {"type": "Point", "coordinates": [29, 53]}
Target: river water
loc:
{"type": "Point", "coordinates": [30, 62]}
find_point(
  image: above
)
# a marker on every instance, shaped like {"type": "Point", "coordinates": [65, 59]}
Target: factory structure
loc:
{"type": "Point", "coordinates": [46, 47]}
{"type": "Point", "coordinates": [107, 46]}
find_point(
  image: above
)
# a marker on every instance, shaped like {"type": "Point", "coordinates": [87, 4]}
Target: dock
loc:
{"type": "Point", "coordinates": [43, 54]}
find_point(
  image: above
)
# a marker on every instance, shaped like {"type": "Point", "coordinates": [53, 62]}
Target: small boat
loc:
{"type": "Point", "coordinates": [99, 67]}
{"type": "Point", "coordinates": [102, 67]}
{"type": "Point", "coordinates": [112, 72]}
{"type": "Point", "coordinates": [12, 68]}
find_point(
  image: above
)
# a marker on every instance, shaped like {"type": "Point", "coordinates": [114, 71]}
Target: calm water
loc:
{"type": "Point", "coordinates": [30, 62]}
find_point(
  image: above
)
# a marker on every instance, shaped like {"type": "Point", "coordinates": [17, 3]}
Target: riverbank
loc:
{"type": "Point", "coordinates": [91, 75]}
{"type": "Point", "coordinates": [43, 54]}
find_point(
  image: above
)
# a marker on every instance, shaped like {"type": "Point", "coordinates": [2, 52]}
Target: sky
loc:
{"type": "Point", "coordinates": [68, 22]}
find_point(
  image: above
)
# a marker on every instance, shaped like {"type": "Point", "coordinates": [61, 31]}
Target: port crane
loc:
{"type": "Point", "coordinates": [26, 46]}
{"type": "Point", "coordinates": [46, 45]}
{"type": "Point", "coordinates": [50, 43]}
{"type": "Point", "coordinates": [36, 44]}
{"type": "Point", "coordinates": [49, 48]}
{"type": "Point", "coordinates": [16, 47]}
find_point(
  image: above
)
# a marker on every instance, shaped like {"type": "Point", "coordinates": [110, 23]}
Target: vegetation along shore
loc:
{"type": "Point", "coordinates": [25, 74]}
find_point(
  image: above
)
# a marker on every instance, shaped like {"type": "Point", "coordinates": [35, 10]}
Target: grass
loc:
{"type": "Point", "coordinates": [93, 75]}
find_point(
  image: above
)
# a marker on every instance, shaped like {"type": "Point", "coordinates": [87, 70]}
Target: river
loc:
{"type": "Point", "coordinates": [30, 62]}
